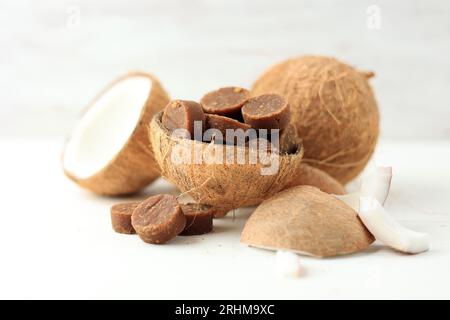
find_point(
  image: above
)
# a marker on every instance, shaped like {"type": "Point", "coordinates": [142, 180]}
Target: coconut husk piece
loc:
{"type": "Point", "coordinates": [333, 108]}
{"type": "Point", "coordinates": [225, 185]}
{"type": "Point", "coordinates": [311, 176]}
{"type": "Point", "coordinates": [308, 221]}
{"type": "Point", "coordinates": [133, 167]}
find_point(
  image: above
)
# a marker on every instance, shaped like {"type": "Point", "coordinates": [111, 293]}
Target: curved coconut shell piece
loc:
{"type": "Point", "coordinates": [308, 221]}
{"type": "Point", "coordinates": [133, 167]}
{"type": "Point", "coordinates": [310, 176]}
{"type": "Point", "coordinates": [333, 108]}
{"type": "Point", "coordinates": [223, 184]}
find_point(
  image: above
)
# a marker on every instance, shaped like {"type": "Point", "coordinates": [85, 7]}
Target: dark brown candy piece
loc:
{"type": "Point", "coordinates": [259, 145]}
{"type": "Point", "coordinates": [158, 219]}
{"type": "Point", "coordinates": [181, 114]}
{"type": "Point", "coordinates": [121, 217]}
{"type": "Point", "coordinates": [199, 219]}
{"type": "Point", "coordinates": [222, 123]}
{"type": "Point", "coordinates": [225, 101]}
{"type": "Point", "coordinates": [269, 111]}
{"type": "Point", "coordinates": [221, 213]}
{"type": "Point", "coordinates": [288, 140]}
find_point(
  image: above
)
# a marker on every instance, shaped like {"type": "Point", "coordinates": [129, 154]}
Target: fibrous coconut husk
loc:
{"type": "Point", "coordinates": [310, 176]}
{"type": "Point", "coordinates": [333, 108]}
{"type": "Point", "coordinates": [225, 186]}
{"type": "Point", "coordinates": [306, 220]}
{"type": "Point", "coordinates": [133, 167]}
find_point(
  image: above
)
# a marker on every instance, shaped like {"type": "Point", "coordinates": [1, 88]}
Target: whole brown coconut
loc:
{"type": "Point", "coordinates": [333, 109]}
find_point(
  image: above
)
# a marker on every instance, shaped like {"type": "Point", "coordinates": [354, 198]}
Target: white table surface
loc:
{"type": "Point", "coordinates": [56, 240]}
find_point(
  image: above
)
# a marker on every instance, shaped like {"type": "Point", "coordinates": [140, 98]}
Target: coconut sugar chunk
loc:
{"type": "Point", "coordinates": [269, 111]}
{"type": "Point", "coordinates": [158, 219]}
{"type": "Point", "coordinates": [306, 220]}
{"type": "Point", "coordinates": [222, 124]}
{"type": "Point", "coordinates": [226, 101]}
{"type": "Point", "coordinates": [289, 140]}
{"type": "Point", "coordinates": [121, 217]}
{"type": "Point", "coordinates": [182, 114]}
{"type": "Point", "coordinates": [199, 219]}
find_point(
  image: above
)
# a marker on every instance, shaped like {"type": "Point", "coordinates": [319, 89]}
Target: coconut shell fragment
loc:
{"type": "Point", "coordinates": [308, 221]}
{"type": "Point", "coordinates": [333, 108]}
{"type": "Point", "coordinates": [158, 219]}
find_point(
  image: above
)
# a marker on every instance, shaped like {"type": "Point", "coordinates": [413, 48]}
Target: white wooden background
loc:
{"type": "Point", "coordinates": [56, 54]}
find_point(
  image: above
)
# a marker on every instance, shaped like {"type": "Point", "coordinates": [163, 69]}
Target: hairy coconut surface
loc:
{"type": "Point", "coordinates": [108, 152]}
{"type": "Point", "coordinates": [306, 220]}
{"type": "Point", "coordinates": [311, 176]}
{"type": "Point", "coordinates": [333, 108]}
{"type": "Point", "coordinates": [223, 184]}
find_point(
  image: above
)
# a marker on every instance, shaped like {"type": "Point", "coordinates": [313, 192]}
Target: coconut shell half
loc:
{"type": "Point", "coordinates": [109, 150]}
{"type": "Point", "coordinates": [223, 184]}
{"type": "Point", "coordinates": [308, 221]}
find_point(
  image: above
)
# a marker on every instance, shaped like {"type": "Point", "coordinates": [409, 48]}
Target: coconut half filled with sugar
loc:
{"type": "Point", "coordinates": [213, 174]}
{"type": "Point", "coordinates": [109, 151]}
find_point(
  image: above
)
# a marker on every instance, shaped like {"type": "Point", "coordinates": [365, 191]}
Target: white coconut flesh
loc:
{"type": "Point", "coordinates": [388, 230]}
{"type": "Point", "coordinates": [106, 127]}
{"type": "Point", "coordinates": [368, 202]}
{"type": "Point", "coordinates": [375, 183]}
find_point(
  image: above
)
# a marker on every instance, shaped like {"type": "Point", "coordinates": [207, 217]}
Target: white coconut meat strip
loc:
{"type": "Point", "coordinates": [387, 230]}
{"type": "Point", "coordinates": [106, 127]}
{"type": "Point", "coordinates": [376, 183]}
{"type": "Point", "coordinates": [369, 201]}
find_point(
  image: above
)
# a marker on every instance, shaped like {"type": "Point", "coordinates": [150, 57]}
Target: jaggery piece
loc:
{"type": "Point", "coordinates": [158, 219]}
{"type": "Point", "coordinates": [223, 123]}
{"type": "Point", "coordinates": [121, 217]}
{"type": "Point", "coordinates": [226, 101]}
{"type": "Point", "coordinates": [289, 140]}
{"type": "Point", "coordinates": [199, 219]}
{"type": "Point", "coordinates": [182, 114]}
{"type": "Point", "coordinates": [269, 111]}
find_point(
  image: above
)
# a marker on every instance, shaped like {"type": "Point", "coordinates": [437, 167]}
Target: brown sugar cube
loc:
{"type": "Point", "coordinates": [158, 219]}
{"type": "Point", "coordinates": [199, 219]}
{"type": "Point", "coordinates": [221, 123]}
{"type": "Point", "coordinates": [259, 145]}
{"type": "Point", "coordinates": [225, 101]}
{"type": "Point", "coordinates": [269, 111]}
{"type": "Point", "coordinates": [121, 217]}
{"type": "Point", "coordinates": [288, 140]}
{"type": "Point", "coordinates": [181, 114]}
